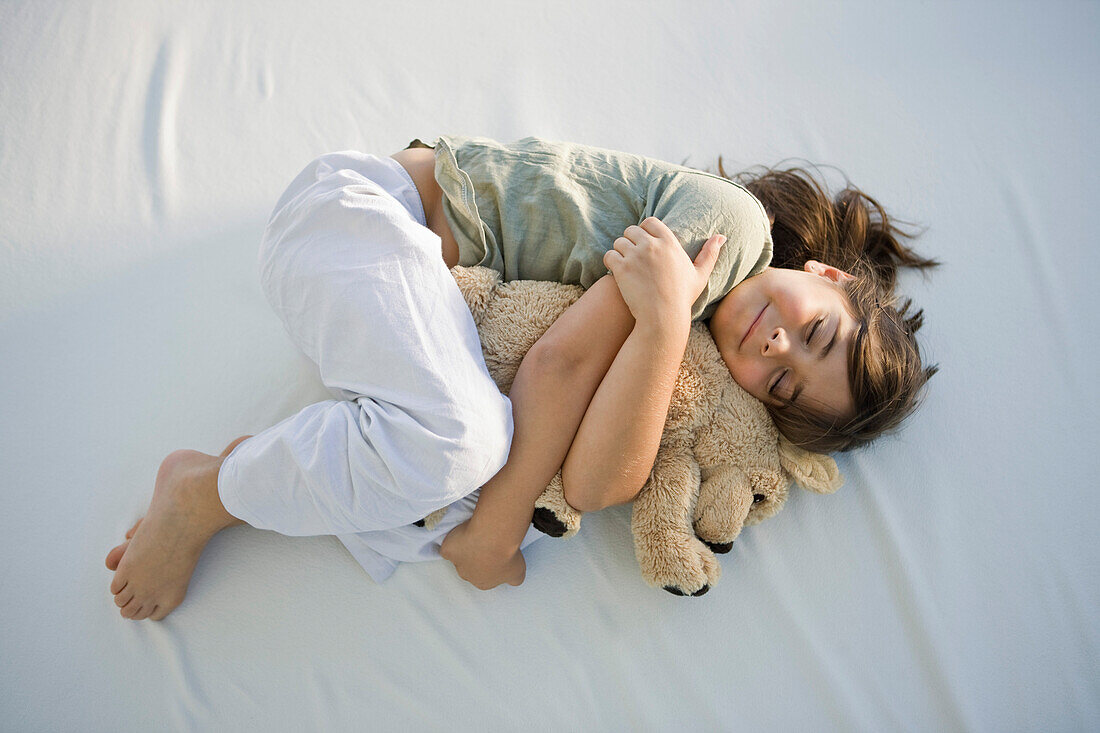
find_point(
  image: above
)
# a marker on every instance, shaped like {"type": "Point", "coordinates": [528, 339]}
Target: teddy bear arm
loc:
{"type": "Point", "coordinates": [669, 553]}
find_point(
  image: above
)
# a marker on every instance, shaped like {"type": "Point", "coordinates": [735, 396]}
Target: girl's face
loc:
{"type": "Point", "coordinates": [785, 334]}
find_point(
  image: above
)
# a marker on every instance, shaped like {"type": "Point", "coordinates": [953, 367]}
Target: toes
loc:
{"type": "Point", "coordinates": [130, 608]}
{"type": "Point", "coordinates": [159, 612]}
{"type": "Point", "coordinates": [115, 555]}
{"type": "Point", "coordinates": [142, 613]}
{"type": "Point", "coordinates": [123, 598]}
{"type": "Point", "coordinates": [130, 534]}
{"type": "Point", "coordinates": [118, 584]}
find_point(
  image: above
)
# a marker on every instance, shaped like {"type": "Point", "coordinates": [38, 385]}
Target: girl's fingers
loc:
{"type": "Point", "coordinates": [708, 255]}
{"type": "Point", "coordinates": [707, 258]}
{"type": "Point", "coordinates": [636, 235]}
{"type": "Point", "coordinates": [655, 227]}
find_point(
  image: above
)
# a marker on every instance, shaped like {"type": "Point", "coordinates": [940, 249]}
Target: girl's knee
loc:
{"type": "Point", "coordinates": [482, 448]}
{"type": "Point", "coordinates": [494, 443]}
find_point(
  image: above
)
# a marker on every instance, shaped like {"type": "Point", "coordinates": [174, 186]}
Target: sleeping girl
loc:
{"type": "Point", "coordinates": [797, 289]}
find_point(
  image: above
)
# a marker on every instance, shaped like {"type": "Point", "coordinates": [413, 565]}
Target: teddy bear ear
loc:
{"type": "Point", "coordinates": [813, 471]}
{"type": "Point", "coordinates": [477, 285]}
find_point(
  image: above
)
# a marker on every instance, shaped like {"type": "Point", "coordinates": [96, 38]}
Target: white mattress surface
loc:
{"type": "Point", "coordinates": [952, 584]}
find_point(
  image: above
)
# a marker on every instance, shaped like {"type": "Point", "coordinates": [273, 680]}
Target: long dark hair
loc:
{"type": "Point", "coordinates": [851, 231]}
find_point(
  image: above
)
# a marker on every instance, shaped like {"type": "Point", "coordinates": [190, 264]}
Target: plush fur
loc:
{"type": "Point", "coordinates": [721, 464]}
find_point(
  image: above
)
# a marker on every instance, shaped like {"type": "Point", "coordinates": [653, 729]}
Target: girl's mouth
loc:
{"type": "Point", "coordinates": [751, 328]}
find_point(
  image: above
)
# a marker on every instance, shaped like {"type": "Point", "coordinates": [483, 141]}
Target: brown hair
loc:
{"type": "Point", "coordinates": [851, 231]}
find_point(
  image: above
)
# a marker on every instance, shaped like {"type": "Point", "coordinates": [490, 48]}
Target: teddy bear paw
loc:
{"type": "Point", "coordinates": [677, 592]}
{"type": "Point", "coordinates": [719, 548]}
{"type": "Point", "coordinates": [553, 514]}
{"type": "Point", "coordinates": [710, 536]}
{"type": "Point", "coordinates": [716, 527]}
{"type": "Point", "coordinates": [432, 519]}
{"type": "Point", "coordinates": [547, 522]}
{"type": "Point", "coordinates": [683, 568]}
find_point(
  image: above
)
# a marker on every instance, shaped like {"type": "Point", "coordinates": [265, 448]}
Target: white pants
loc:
{"type": "Point", "coordinates": [359, 281]}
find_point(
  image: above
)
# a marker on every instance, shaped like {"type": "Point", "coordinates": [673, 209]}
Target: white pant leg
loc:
{"type": "Point", "coordinates": [362, 289]}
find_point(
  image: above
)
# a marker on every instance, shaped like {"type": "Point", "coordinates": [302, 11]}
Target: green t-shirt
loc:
{"type": "Point", "coordinates": [541, 210]}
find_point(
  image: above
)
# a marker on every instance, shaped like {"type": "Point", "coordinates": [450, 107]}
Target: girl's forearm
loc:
{"type": "Point", "coordinates": [616, 444]}
{"type": "Point", "coordinates": [550, 395]}
{"type": "Point", "coordinates": [547, 407]}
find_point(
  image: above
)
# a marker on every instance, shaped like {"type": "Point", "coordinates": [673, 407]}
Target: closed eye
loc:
{"type": "Point", "coordinates": [775, 385]}
{"type": "Point", "coordinates": [829, 346]}
{"type": "Point", "coordinates": [813, 330]}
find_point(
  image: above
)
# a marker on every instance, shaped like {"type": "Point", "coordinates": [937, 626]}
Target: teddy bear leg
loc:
{"type": "Point", "coordinates": [670, 555]}
{"type": "Point", "coordinates": [553, 515]}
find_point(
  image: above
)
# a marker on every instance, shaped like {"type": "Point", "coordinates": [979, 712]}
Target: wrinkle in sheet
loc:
{"type": "Point", "coordinates": [160, 143]}
{"type": "Point", "coordinates": [837, 694]}
{"type": "Point", "coordinates": [252, 73]}
{"type": "Point", "coordinates": [912, 610]}
{"type": "Point", "coordinates": [322, 699]}
{"type": "Point", "coordinates": [189, 696]}
{"type": "Point", "coordinates": [1047, 291]}
{"type": "Point", "coordinates": [1077, 609]}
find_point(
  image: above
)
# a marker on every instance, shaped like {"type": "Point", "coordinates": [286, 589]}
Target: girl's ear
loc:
{"type": "Point", "coordinates": [835, 274]}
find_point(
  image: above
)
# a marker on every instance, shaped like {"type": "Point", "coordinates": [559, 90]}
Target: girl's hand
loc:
{"type": "Point", "coordinates": [481, 561]}
{"type": "Point", "coordinates": [656, 277]}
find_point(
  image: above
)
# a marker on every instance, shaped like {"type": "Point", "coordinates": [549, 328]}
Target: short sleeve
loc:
{"type": "Point", "coordinates": [696, 206]}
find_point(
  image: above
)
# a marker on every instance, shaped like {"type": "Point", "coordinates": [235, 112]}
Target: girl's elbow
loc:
{"type": "Point", "coordinates": [581, 501]}
{"type": "Point", "coordinates": [551, 356]}
{"type": "Point", "coordinates": [591, 496]}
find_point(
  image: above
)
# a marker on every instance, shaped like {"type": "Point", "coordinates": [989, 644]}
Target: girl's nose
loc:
{"type": "Point", "coordinates": [777, 344]}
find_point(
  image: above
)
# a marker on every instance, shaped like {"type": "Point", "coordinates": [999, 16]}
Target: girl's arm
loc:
{"type": "Point", "coordinates": [614, 449]}
{"type": "Point", "coordinates": [656, 284]}
{"type": "Point", "coordinates": [550, 394]}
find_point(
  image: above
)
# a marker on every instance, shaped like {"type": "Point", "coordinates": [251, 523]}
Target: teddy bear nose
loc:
{"type": "Point", "coordinates": [757, 498]}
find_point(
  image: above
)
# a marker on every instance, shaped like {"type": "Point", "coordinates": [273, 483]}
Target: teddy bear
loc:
{"type": "Point", "coordinates": [721, 465]}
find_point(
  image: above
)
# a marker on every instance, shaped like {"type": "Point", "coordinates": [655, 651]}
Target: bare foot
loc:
{"type": "Point", "coordinates": [116, 554]}
{"type": "Point", "coordinates": [154, 566]}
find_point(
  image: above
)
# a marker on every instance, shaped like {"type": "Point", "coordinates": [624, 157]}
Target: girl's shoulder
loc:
{"type": "Point", "coordinates": [539, 151]}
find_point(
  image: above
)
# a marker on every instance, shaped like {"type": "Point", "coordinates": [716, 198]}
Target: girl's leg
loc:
{"type": "Point", "coordinates": [362, 289]}
{"type": "Point", "coordinates": [154, 565]}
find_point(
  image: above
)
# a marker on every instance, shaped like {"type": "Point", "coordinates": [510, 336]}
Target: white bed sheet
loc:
{"type": "Point", "coordinates": [952, 584]}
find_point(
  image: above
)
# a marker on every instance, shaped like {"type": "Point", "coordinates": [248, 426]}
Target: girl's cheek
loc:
{"type": "Point", "coordinates": [759, 388]}
{"type": "Point", "coordinates": [750, 377]}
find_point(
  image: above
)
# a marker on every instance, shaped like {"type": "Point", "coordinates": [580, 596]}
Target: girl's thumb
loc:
{"type": "Point", "coordinates": [708, 255]}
